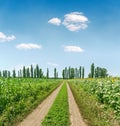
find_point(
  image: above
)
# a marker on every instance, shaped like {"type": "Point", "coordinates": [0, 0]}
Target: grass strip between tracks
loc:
{"type": "Point", "coordinates": [59, 112]}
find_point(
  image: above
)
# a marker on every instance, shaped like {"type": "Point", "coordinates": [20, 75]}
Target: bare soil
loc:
{"type": "Point", "coordinates": [75, 116]}
{"type": "Point", "coordinates": [36, 117]}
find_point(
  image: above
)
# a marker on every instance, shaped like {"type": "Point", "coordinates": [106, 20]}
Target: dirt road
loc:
{"type": "Point", "coordinates": [36, 117]}
{"type": "Point", "coordinates": [75, 116]}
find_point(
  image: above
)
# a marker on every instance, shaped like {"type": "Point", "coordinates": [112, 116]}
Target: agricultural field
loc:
{"type": "Point", "coordinates": [19, 96]}
{"type": "Point", "coordinates": [98, 100]}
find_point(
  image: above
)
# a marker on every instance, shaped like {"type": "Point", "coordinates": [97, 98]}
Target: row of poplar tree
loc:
{"type": "Point", "coordinates": [67, 73]}
{"type": "Point", "coordinates": [97, 72]}
{"type": "Point", "coordinates": [28, 72]}
{"type": "Point", "coordinates": [70, 73]}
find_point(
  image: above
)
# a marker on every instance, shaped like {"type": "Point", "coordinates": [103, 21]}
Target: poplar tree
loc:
{"type": "Point", "coordinates": [14, 73]}
{"type": "Point", "coordinates": [37, 71]}
{"type": "Point", "coordinates": [28, 72]}
{"type": "Point", "coordinates": [47, 75]}
{"type": "Point", "coordinates": [92, 70]}
{"type": "Point", "coordinates": [80, 73]}
{"type": "Point", "coordinates": [63, 74]}
{"type": "Point", "coordinates": [24, 72]}
{"type": "Point", "coordinates": [40, 73]}
{"type": "Point", "coordinates": [0, 74]}
{"type": "Point", "coordinates": [83, 72]}
{"type": "Point", "coordinates": [31, 70]}
{"type": "Point", "coordinates": [55, 73]}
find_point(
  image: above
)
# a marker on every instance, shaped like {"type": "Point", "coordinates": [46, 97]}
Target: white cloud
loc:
{"type": "Point", "coordinates": [28, 46]}
{"type": "Point", "coordinates": [55, 21]}
{"type": "Point", "coordinates": [4, 38]}
{"type": "Point", "coordinates": [53, 64]}
{"type": "Point", "coordinates": [73, 49]}
{"type": "Point", "coordinates": [75, 21]}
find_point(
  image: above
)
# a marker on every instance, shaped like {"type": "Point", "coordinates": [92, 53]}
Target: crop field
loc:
{"type": "Point", "coordinates": [98, 100]}
{"type": "Point", "coordinates": [18, 96]}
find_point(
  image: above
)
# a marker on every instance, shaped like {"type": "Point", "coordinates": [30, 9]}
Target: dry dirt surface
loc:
{"type": "Point", "coordinates": [37, 116]}
{"type": "Point", "coordinates": [75, 116]}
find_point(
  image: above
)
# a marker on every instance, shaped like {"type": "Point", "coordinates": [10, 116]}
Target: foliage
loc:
{"type": "Point", "coordinates": [99, 100]}
{"type": "Point", "coordinates": [70, 73]}
{"type": "Point", "coordinates": [19, 96]}
{"type": "Point", "coordinates": [59, 113]}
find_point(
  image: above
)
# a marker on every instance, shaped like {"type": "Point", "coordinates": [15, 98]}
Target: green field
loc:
{"type": "Point", "coordinates": [98, 100]}
{"type": "Point", "coordinates": [59, 112]}
{"type": "Point", "coordinates": [19, 96]}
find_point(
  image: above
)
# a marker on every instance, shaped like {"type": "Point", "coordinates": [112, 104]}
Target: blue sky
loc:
{"type": "Point", "coordinates": [60, 33]}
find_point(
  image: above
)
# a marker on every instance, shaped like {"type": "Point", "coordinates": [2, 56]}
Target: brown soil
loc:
{"type": "Point", "coordinates": [37, 116]}
{"type": "Point", "coordinates": [75, 116]}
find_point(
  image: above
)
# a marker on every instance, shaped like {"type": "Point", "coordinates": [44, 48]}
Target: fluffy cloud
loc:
{"type": "Point", "coordinates": [53, 64]}
{"type": "Point", "coordinates": [5, 38]}
{"type": "Point", "coordinates": [73, 49]}
{"type": "Point", "coordinates": [28, 46]}
{"type": "Point", "coordinates": [75, 21]}
{"type": "Point", "coordinates": [55, 21]}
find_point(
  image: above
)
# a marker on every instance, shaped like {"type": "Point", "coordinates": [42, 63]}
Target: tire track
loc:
{"type": "Point", "coordinates": [38, 114]}
{"type": "Point", "coordinates": [75, 116]}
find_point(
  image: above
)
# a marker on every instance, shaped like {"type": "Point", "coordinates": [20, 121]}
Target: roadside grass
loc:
{"type": "Point", "coordinates": [58, 115]}
{"type": "Point", "coordinates": [18, 97]}
{"type": "Point", "coordinates": [91, 110]}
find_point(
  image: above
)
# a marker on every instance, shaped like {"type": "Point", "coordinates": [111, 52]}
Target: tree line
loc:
{"type": "Point", "coordinates": [67, 72]}
{"type": "Point", "coordinates": [70, 73]}
{"type": "Point", "coordinates": [97, 72]}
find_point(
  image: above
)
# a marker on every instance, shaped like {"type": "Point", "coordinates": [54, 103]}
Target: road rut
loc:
{"type": "Point", "coordinates": [36, 117]}
{"type": "Point", "coordinates": [75, 116]}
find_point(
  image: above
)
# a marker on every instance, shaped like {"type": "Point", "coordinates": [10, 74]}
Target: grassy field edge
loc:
{"type": "Point", "coordinates": [58, 114]}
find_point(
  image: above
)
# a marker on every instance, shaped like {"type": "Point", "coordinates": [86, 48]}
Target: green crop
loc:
{"type": "Point", "coordinates": [19, 96]}
{"type": "Point", "coordinates": [59, 112]}
{"type": "Point", "coordinates": [100, 99]}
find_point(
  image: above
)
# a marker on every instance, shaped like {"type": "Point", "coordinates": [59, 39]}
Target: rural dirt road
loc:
{"type": "Point", "coordinates": [75, 116]}
{"type": "Point", "coordinates": [36, 117]}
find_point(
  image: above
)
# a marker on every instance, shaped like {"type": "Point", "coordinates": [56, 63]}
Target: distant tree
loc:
{"type": "Point", "coordinates": [5, 73]}
{"type": "Point", "coordinates": [92, 70]}
{"type": "Point", "coordinates": [97, 72]}
{"type": "Point", "coordinates": [100, 72]}
{"type": "Point", "coordinates": [40, 73]}
{"type": "Point", "coordinates": [89, 75]}
{"type": "Point", "coordinates": [14, 73]}
{"type": "Point", "coordinates": [37, 71]}
{"type": "Point", "coordinates": [31, 70]}
{"type": "Point", "coordinates": [0, 74]}
{"type": "Point", "coordinates": [80, 72]}
{"type": "Point", "coordinates": [28, 72]}
{"type": "Point", "coordinates": [104, 73]}
{"type": "Point", "coordinates": [47, 75]}
{"type": "Point", "coordinates": [66, 73]}
{"type": "Point", "coordinates": [8, 74]}
{"type": "Point", "coordinates": [71, 73]}
{"type": "Point", "coordinates": [20, 73]}
{"type": "Point", "coordinates": [55, 73]}
{"type": "Point", "coordinates": [63, 74]}
{"type": "Point", "coordinates": [24, 72]}
{"type": "Point", "coordinates": [83, 72]}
